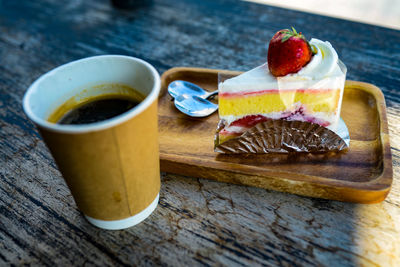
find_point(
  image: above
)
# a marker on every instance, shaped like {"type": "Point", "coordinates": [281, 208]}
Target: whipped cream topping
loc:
{"type": "Point", "coordinates": [323, 64]}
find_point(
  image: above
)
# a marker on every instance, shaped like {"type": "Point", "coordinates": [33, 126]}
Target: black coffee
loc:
{"type": "Point", "coordinates": [98, 110]}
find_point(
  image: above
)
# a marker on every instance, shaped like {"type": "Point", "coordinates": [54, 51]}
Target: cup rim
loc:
{"type": "Point", "coordinates": [96, 126]}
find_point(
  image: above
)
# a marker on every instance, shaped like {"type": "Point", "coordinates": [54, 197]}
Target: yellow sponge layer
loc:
{"type": "Point", "coordinates": [321, 101]}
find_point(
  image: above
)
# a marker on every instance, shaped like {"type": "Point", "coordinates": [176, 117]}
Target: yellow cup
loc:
{"type": "Point", "coordinates": [111, 166]}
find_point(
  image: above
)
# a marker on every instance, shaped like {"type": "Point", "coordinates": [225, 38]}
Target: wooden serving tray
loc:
{"type": "Point", "coordinates": [362, 174]}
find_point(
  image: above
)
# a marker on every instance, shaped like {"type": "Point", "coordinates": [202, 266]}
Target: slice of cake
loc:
{"type": "Point", "coordinates": [311, 93]}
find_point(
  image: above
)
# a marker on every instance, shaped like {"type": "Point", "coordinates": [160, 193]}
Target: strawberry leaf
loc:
{"type": "Point", "coordinates": [286, 37]}
{"type": "Point", "coordinates": [287, 34]}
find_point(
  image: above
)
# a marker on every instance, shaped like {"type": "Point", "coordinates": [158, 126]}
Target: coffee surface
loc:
{"type": "Point", "coordinates": [98, 110]}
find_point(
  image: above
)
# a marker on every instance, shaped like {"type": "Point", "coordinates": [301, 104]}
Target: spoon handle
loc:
{"type": "Point", "coordinates": [211, 94]}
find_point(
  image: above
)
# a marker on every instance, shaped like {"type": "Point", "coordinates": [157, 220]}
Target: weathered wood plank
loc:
{"type": "Point", "coordinates": [198, 222]}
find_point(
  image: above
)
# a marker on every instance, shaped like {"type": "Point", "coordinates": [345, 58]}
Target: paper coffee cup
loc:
{"type": "Point", "coordinates": [111, 166]}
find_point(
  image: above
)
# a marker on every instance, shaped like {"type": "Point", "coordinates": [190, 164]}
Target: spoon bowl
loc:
{"type": "Point", "coordinates": [194, 106]}
{"type": "Point", "coordinates": [184, 88]}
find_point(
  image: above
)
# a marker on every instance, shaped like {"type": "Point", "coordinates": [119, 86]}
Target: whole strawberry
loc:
{"type": "Point", "coordinates": [288, 52]}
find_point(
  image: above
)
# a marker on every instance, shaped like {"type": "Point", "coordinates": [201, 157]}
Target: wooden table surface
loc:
{"type": "Point", "coordinates": [198, 221]}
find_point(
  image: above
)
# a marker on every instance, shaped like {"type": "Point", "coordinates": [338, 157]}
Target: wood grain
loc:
{"type": "Point", "coordinates": [198, 221]}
